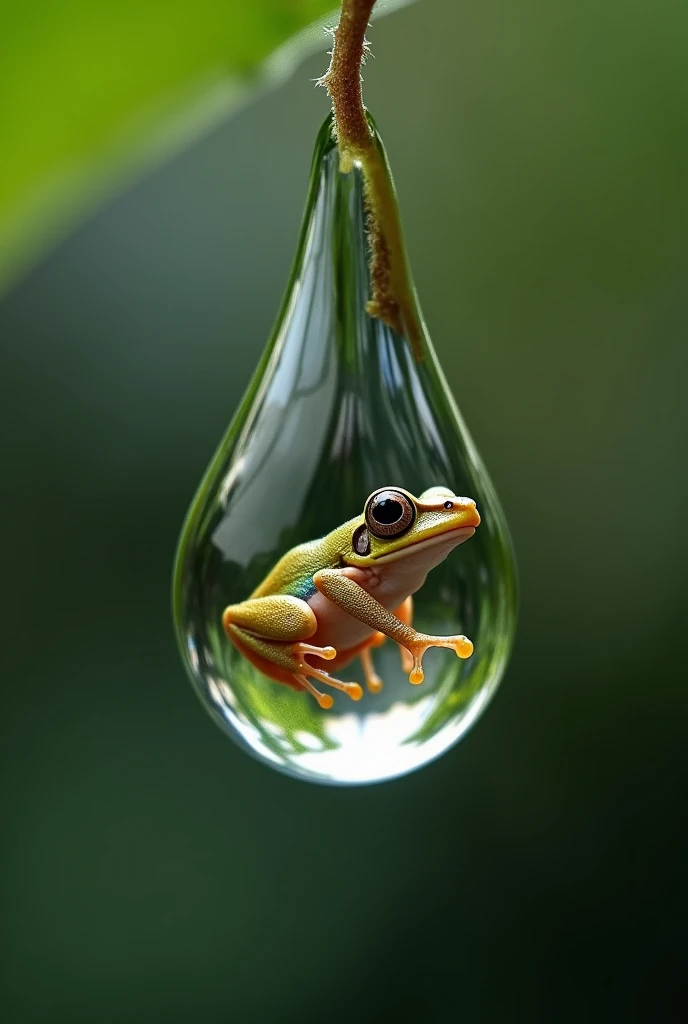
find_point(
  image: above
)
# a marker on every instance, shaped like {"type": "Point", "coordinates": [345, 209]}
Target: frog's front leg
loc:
{"type": "Point", "coordinates": [337, 587]}
{"type": "Point", "coordinates": [271, 631]}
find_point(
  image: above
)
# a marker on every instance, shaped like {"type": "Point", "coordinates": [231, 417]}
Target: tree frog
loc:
{"type": "Point", "coordinates": [349, 590]}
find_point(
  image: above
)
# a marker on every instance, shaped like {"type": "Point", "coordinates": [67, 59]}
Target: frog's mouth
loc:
{"type": "Point", "coordinates": [452, 538]}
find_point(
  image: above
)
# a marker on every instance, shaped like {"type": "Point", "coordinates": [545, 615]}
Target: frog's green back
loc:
{"type": "Point", "coordinates": [293, 574]}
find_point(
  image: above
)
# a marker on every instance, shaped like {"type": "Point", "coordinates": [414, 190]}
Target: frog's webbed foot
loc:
{"type": "Point", "coordinates": [274, 629]}
{"type": "Point", "coordinates": [291, 658]}
{"type": "Point", "coordinates": [304, 669]}
{"type": "Point", "coordinates": [324, 699]}
{"type": "Point", "coordinates": [346, 593]}
{"type": "Point", "coordinates": [412, 648]}
{"type": "Point", "coordinates": [418, 645]}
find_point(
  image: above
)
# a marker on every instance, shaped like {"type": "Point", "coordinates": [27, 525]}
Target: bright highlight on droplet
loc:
{"type": "Point", "coordinates": [316, 659]}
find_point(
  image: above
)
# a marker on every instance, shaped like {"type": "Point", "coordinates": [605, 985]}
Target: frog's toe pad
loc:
{"type": "Point", "coordinates": [463, 646]}
{"type": "Point", "coordinates": [324, 699]}
{"type": "Point", "coordinates": [308, 672]}
{"type": "Point", "coordinates": [416, 675]}
{"type": "Point", "coordinates": [328, 653]}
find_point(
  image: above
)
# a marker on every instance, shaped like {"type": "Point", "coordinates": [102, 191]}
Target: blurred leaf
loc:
{"type": "Point", "coordinates": [93, 90]}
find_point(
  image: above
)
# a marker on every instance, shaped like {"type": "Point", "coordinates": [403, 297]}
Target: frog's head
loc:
{"type": "Point", "coordinates": [395, 525]}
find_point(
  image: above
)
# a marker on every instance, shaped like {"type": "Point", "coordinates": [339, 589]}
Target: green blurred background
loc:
{"type": "Point", "coordinates": [150, 871]}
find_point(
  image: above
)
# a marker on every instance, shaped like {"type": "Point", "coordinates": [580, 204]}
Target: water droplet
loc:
{"type": "Point", "coordinates": [338, 408]}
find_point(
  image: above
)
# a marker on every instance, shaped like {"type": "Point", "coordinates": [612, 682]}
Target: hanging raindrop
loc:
{"type": "Point", "coordinates": [340, 407]}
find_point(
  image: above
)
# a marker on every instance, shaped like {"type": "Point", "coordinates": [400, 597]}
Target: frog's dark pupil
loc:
{"type": "Point", "coordinates": [387, 512]}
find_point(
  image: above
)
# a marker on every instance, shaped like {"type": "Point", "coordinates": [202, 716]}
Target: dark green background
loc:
{"type": "Point", "coordinates": [151, 871]}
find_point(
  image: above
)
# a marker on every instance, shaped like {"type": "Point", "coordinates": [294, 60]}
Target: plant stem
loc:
{"type": "Point", "coordinates": [392, 298]}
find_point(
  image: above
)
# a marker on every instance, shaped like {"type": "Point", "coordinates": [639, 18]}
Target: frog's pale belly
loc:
{"type": "Point", "coordinates": [390, 583]}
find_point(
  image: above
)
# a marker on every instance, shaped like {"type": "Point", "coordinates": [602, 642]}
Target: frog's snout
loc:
{"type": "Point", "coordinates": [468, 513]}
{"type": "Point", "coordinates": [463, 513]}
{"type": "Point", "coordinates": [474, 515]}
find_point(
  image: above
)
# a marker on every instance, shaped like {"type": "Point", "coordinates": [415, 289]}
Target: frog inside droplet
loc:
{"type": "Point", "coordinates": [346, 592]}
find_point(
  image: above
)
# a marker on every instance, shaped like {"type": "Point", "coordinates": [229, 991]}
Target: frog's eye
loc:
{"type": "Point", "coordinates": [389, 513]}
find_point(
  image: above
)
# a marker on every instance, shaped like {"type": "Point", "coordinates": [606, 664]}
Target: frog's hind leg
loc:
{"type": "Point", "coordinates": [405, 614]}
{"type": "Point", "coordinates": [373, 681]}
{"type": "Point", "coordinates": [274, 617]}
{"type": "Point", "coordinates": [286, 662]}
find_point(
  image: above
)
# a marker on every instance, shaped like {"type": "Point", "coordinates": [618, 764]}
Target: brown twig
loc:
{"type": "Point", "coordinates": [392, 299]}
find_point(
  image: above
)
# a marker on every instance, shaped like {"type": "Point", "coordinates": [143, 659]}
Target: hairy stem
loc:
{"type": "Point", "coordinates": [392, 300]}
